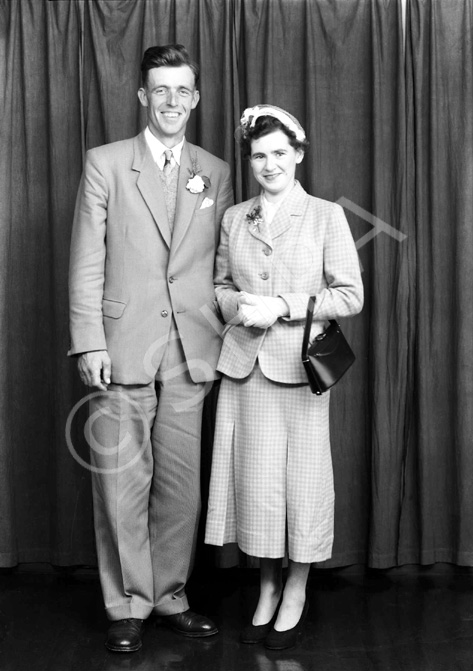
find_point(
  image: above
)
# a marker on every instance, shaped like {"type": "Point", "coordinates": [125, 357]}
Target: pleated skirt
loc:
{"type": "Point", "coordinates": [271, 488]}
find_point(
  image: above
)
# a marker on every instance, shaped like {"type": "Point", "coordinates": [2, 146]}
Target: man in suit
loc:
{"type": "Point", "coordinates": [144, 327]}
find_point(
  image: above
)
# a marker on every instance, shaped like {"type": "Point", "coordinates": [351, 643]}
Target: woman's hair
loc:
{"type": "Point", "coordinates": [264, 125]}
{"type": "Point", "coordinates": [173, 55]}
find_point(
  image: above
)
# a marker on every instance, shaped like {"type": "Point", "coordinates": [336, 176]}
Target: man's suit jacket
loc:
{"type": "Point", "coordinates": [129, 275]}
{"type": "Point", "coordinates": [307, 250]}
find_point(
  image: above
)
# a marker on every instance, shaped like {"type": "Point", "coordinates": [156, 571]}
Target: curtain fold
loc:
{"type": "Point", "coordinates": [45, 508]}
{"type": "Point", "coordinates": [390, 135]}
{"type": "Point", "coordinates": [115, 37]}
{"type": "Point", "coordinates": [438, 521]}
{"type": "Point", "coordinates": [390, 291]}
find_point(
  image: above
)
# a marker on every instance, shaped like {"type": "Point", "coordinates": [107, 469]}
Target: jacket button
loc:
{"type": "Point", "coordinates": [264, 276]}
{"type": "Point", "coordinates": [171, 280]}
{"type": "Point", "coordinates": [164, 313]}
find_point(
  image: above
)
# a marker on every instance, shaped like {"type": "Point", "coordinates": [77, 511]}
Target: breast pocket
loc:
{"type": "Point", "coordinates": [205, 212]}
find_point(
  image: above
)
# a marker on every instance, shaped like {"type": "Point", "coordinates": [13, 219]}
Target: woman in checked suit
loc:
{"type": "Point", "coordinates": [271, 487]}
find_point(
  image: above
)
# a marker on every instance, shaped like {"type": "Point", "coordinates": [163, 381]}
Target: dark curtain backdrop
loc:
{"type": "Point", "coordinates": [389, 118]}
{"type": "Point", "coordinates": [437, 507]}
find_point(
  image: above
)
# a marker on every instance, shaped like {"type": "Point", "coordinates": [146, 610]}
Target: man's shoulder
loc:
{"type": "Point", "coordinates": [112, 149]}
{"type": "Point", "coordinates": [206, 157]}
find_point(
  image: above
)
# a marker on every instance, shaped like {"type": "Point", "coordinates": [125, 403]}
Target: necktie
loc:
{"type": "Point", "coordinates": [167, 162]}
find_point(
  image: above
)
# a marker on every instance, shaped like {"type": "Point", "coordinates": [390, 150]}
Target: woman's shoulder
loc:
{"type": "Point", "coordinates": [299, 199]}
{"type": "Point", "coordinates": [323, 205]}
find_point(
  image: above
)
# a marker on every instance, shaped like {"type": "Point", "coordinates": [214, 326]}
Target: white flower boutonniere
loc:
{"type": "Point", "coordinates": [197, 183]}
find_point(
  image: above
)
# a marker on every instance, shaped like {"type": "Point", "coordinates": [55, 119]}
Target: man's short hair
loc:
{"type": "Point", "coordinates": [173, 55]}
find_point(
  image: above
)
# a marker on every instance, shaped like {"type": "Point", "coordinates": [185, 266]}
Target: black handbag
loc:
{"type": "Point", "coordinates": [328, 357]}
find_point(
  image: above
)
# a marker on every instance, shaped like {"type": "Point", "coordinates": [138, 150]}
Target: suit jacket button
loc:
{"type": "Point", "coordinates": [171, 280]}
{"type": "Point", "coordinates": [264, 276]}
{"type": "Point", "coordinates": [164, 313]}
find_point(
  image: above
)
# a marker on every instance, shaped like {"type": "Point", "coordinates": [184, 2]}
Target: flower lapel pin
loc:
{"type": "Point", "coordinates": [197, 183]}
{"type": "Point", "coordinates": [255, 218]}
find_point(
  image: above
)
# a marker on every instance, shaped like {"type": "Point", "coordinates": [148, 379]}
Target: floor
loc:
{"type": "Point", "coordinates": [409, 619]}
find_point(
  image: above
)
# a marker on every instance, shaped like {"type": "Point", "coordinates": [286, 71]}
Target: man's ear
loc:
{"type": "Point", "coordinates": [195, 99]}
{"type": "Point", "coordinates": [142, 97]}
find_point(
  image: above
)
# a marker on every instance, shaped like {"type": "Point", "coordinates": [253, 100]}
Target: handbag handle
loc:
{"type": "Point", "coordinates": [308, 324]}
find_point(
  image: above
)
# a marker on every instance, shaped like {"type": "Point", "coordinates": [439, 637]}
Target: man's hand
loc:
{"type": "Point", "coordinates": [261, 311]}
{"type": "Point", "coordinates": [95, 369]}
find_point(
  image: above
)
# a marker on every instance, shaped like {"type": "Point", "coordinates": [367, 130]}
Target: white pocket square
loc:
{"type": "Point", "coordinates": [207, 202]}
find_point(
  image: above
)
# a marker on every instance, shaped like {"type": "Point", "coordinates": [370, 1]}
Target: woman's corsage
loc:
{"type": "Point", "coordinates": [254, 217]}
{"type": "Point", "coordinates": [197, 183]}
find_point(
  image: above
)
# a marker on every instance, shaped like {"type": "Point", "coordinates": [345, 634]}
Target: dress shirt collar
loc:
{"type": "Point", "coordinates": [158, 148]}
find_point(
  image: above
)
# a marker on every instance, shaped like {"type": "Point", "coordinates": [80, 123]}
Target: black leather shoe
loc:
{"type": "Point", "coordinates": [124, 635]}
{"type": "Point", "coordinates": [255, 633]}
{"type": "Point", "coordinates": [190, 624]}
{"type": "Point", "coordinates": [281, 640]}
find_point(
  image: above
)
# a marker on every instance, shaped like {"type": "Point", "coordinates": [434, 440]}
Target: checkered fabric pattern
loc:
{"type": "Point", "coordinates": [307, 250]}
{"type": "Point", "coordinates": [272, 471]}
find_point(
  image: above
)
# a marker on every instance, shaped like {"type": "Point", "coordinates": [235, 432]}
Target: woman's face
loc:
{"type": "Point", "coordinates": [274, 161]}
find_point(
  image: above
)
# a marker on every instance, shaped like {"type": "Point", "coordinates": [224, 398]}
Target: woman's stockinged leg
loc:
{"type": "Point", "coordinates": [294, 596]}
{"type": "Point", "coordinates": [270, 590]}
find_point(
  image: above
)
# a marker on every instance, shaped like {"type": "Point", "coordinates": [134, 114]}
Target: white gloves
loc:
{"type": "Point", "coordinates": [260, 311]}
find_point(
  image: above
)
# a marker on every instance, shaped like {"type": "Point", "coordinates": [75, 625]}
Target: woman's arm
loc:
{"type": "Point", "coordinates": [225, 291]}
{"type": "Point", "coordinates": [343, 294]}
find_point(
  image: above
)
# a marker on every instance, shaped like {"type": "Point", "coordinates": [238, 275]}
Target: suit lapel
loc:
{"type": "Point", "coordinates": [149, 185]}
{"type": "Point", "coordinates": [281, 222]}
{"type": "Point", "coordinates": [260, 231]}
{"type": "Point", "coordinates": [186, 201]}
{"type": "Point", "coordinates": [288, 213]}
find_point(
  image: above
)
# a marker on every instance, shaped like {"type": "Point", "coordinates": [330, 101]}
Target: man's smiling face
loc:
{"type": "Point", "coordinates": [169, 96]}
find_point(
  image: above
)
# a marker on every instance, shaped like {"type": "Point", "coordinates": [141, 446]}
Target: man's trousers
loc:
{"type": "Point", "coordinates": [145, 456]}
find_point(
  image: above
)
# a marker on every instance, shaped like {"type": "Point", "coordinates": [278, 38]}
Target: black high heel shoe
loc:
{"type": "Point", "coordinates": [281, 640]}
{"type": "Point", "coordinates": [255, 633]}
